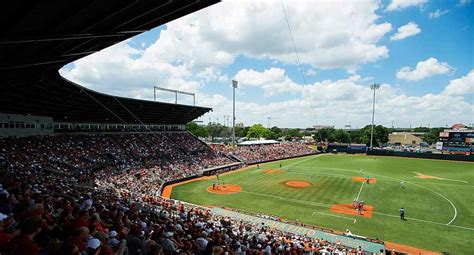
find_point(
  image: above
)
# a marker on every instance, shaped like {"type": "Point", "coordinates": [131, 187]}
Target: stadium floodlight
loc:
{"type": "Point", "coordinates": [373, 87]}
{"type": "Point", "coordinates": [234, 86]}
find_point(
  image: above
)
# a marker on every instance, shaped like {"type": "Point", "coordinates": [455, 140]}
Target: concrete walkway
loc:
{"type": "Point", "coordinates": [299, 230]}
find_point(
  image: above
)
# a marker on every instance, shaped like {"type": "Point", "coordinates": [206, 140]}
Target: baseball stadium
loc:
{"type": "Point", "coordinates": [319, 191]}
{"type": "Point", "coordinates": [137, 127]}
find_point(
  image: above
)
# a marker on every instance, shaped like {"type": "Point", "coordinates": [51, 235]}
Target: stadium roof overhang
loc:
{"type": "Point", "coordinates": [38, 38]}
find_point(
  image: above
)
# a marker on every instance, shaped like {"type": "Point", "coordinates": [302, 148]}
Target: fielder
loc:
{"type": "Point", "coordinates": [402, 214]}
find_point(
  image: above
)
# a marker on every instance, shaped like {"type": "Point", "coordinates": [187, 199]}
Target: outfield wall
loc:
{"type": "Point", "coordinates": [469, 158]}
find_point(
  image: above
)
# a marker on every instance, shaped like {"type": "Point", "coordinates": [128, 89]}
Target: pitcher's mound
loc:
{"type": "Point", "coordinates": [364, 179]}
{"type": "Point", "coordinates": [298, 184]}
{"type": "Point", "coordinates": [272, 171]}
{"type": "Point", "coordinates": [349, 209]}
{"type": "Point", "coordinates": [225, 189]}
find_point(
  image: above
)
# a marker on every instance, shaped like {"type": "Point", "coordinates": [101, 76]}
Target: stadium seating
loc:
{"type": "Point", "coordinates": [261, 153]}
{"type": "Point", "coordinates": [98, 194]}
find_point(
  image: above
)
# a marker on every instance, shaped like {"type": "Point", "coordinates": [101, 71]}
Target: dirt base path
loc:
{"type": "Point", "coordinates": [349, 210]}
{"type": "Point", "coordinates": [407, 249]}
{"type": "Point", "coordinates": [168, 189]}
{"type": "Point", "coordinates": [225, 189]}
{"type": "Point", "coordinates": [364, 179]}
{"type": "Point", "coordinates": [273, 171]}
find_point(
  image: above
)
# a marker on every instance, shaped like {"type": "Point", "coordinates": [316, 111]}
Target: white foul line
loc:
{"type": "Point", "coordinates": [374, 212]}
{"type": "Point", "coordinates": [427, 221]}
{"type": "Point", "coordinates": [454, 207]}
{"type": "Point", "coordinates": [301, 161]}
{"type": "Point", "coordinates": [335, 216]}
{"type": "Point", "coordinates": [347, 170]}
{"type": "Point", "coordinates": [437, 193]}
{"type": "Point", "coordinates": [360, 190]}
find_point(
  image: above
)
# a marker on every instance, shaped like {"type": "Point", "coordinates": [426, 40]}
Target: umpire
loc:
{"type": "Point", "coordinates": [402, 214]}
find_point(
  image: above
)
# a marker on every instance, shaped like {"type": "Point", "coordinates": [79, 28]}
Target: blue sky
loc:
{"type": "Point", "coordinates": [421, 51]}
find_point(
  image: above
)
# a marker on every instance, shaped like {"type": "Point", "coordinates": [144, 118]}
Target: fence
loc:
{"type": "Point", "coordinates": [469, 158]}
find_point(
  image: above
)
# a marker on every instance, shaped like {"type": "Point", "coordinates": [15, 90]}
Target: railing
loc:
{"type": "Point", "coordinates": [295, 223]}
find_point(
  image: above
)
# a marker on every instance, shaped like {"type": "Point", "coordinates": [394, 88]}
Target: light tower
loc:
{"type": "Point", "coordinates": [234, 86]}
{"type": "Point", "coordinates": [373, 87]}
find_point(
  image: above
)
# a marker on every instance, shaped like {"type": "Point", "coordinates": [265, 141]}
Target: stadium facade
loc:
{"type": "Point", "coordinates": [40, 38]}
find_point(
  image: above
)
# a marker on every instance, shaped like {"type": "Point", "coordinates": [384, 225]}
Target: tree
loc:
{"type": "Point", "coordinates": [342, 136]}
{"type": "Point", "coordinates": [241, 131]}
{"type": "Point", "coordinates": [214, 129]}
{"type": "Point", "coordinates": [381, 134]}
{"type": "Point", "coordinates": [277, 133]}
{"type": "Point", "coordinates": [363, 135]}
{"type": "Point", "coordinates": [196, 130]}
{"type": "Point", "coordinates": [293, 132]}
{"type": "Point", "coordinates": [325, 135]}
{"type": "Point", "coordinates": [225, 132]}
{"type": "Point", "coordinates": [432, 136]}
{"type": "Point", "coordinates": [258, 131]}
{"type": "Point", "coordinates": [359, 136]}
{"type": "Point", "coordinates": [422, 129]}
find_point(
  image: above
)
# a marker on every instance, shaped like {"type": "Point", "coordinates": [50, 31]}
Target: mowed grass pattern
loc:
{"type": "Point", "coordinates": [425, 200]}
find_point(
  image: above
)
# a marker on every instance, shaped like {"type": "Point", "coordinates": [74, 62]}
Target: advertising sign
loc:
{"type": "Point", "coordinates": [443, 134]}
{"type": "Point", "coordinates": [439, 145]}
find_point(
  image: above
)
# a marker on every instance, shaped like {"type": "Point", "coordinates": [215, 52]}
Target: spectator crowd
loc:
{"type": "Point", "coordinates": [265, 152]}
{"type": "Point", "coordinates": [97, 194]}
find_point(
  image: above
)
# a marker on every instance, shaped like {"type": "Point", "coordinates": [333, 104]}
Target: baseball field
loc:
{"type": "Point", "coordinates": [437, 196]}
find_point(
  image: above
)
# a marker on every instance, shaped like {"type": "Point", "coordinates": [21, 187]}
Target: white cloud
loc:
{"type": "Point", "coordinates": [213, 38]}
{"type": "Point", "coordinates": [203, 42]}
{"type": "Point", "coordinates": [122, 70]}
{"type": "Point", "coordinates": [334, 102]}
{"type": "Point", "coordinates": [465, 2]}
{"type": "Point", "coordinates": [194, 51]}
{"type": "Point", "coordinates": [310, 72]}
{"type": "Point", "coordinates": [273, 81]}
{"type": "Point", "coordinates": [405, 31]}
{"type": "Point", "coordinates": [209, 74]}
{"type": "Point", "coordinates": [438, 13]}
{"type": "Point", "coordinates": [397, 5]}
{"type": "Point", "coordinates": [424, 69]}
{"type": "Point", "coordinates": [349, 100]}
{"type": "Point", "coordinates": [462, 86]}
{"type": "Point", "coordinates": [257, 29]}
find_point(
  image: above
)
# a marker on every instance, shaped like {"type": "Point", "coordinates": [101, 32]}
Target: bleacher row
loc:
{"type": "Point", "coordinates": [261, 153]}
{"type": "Point", "coordinates": [97, 194]}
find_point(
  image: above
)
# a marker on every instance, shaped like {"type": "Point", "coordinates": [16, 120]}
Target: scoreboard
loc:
{"type": "Point", "coordinates": [457, 142]}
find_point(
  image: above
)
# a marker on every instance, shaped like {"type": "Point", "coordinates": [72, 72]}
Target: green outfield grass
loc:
{"type": "Point", "coordinates": [430, 203]}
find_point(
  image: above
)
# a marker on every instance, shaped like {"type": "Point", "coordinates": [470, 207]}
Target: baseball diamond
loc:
{"type": "Point", "coordinates": [435, 208]}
